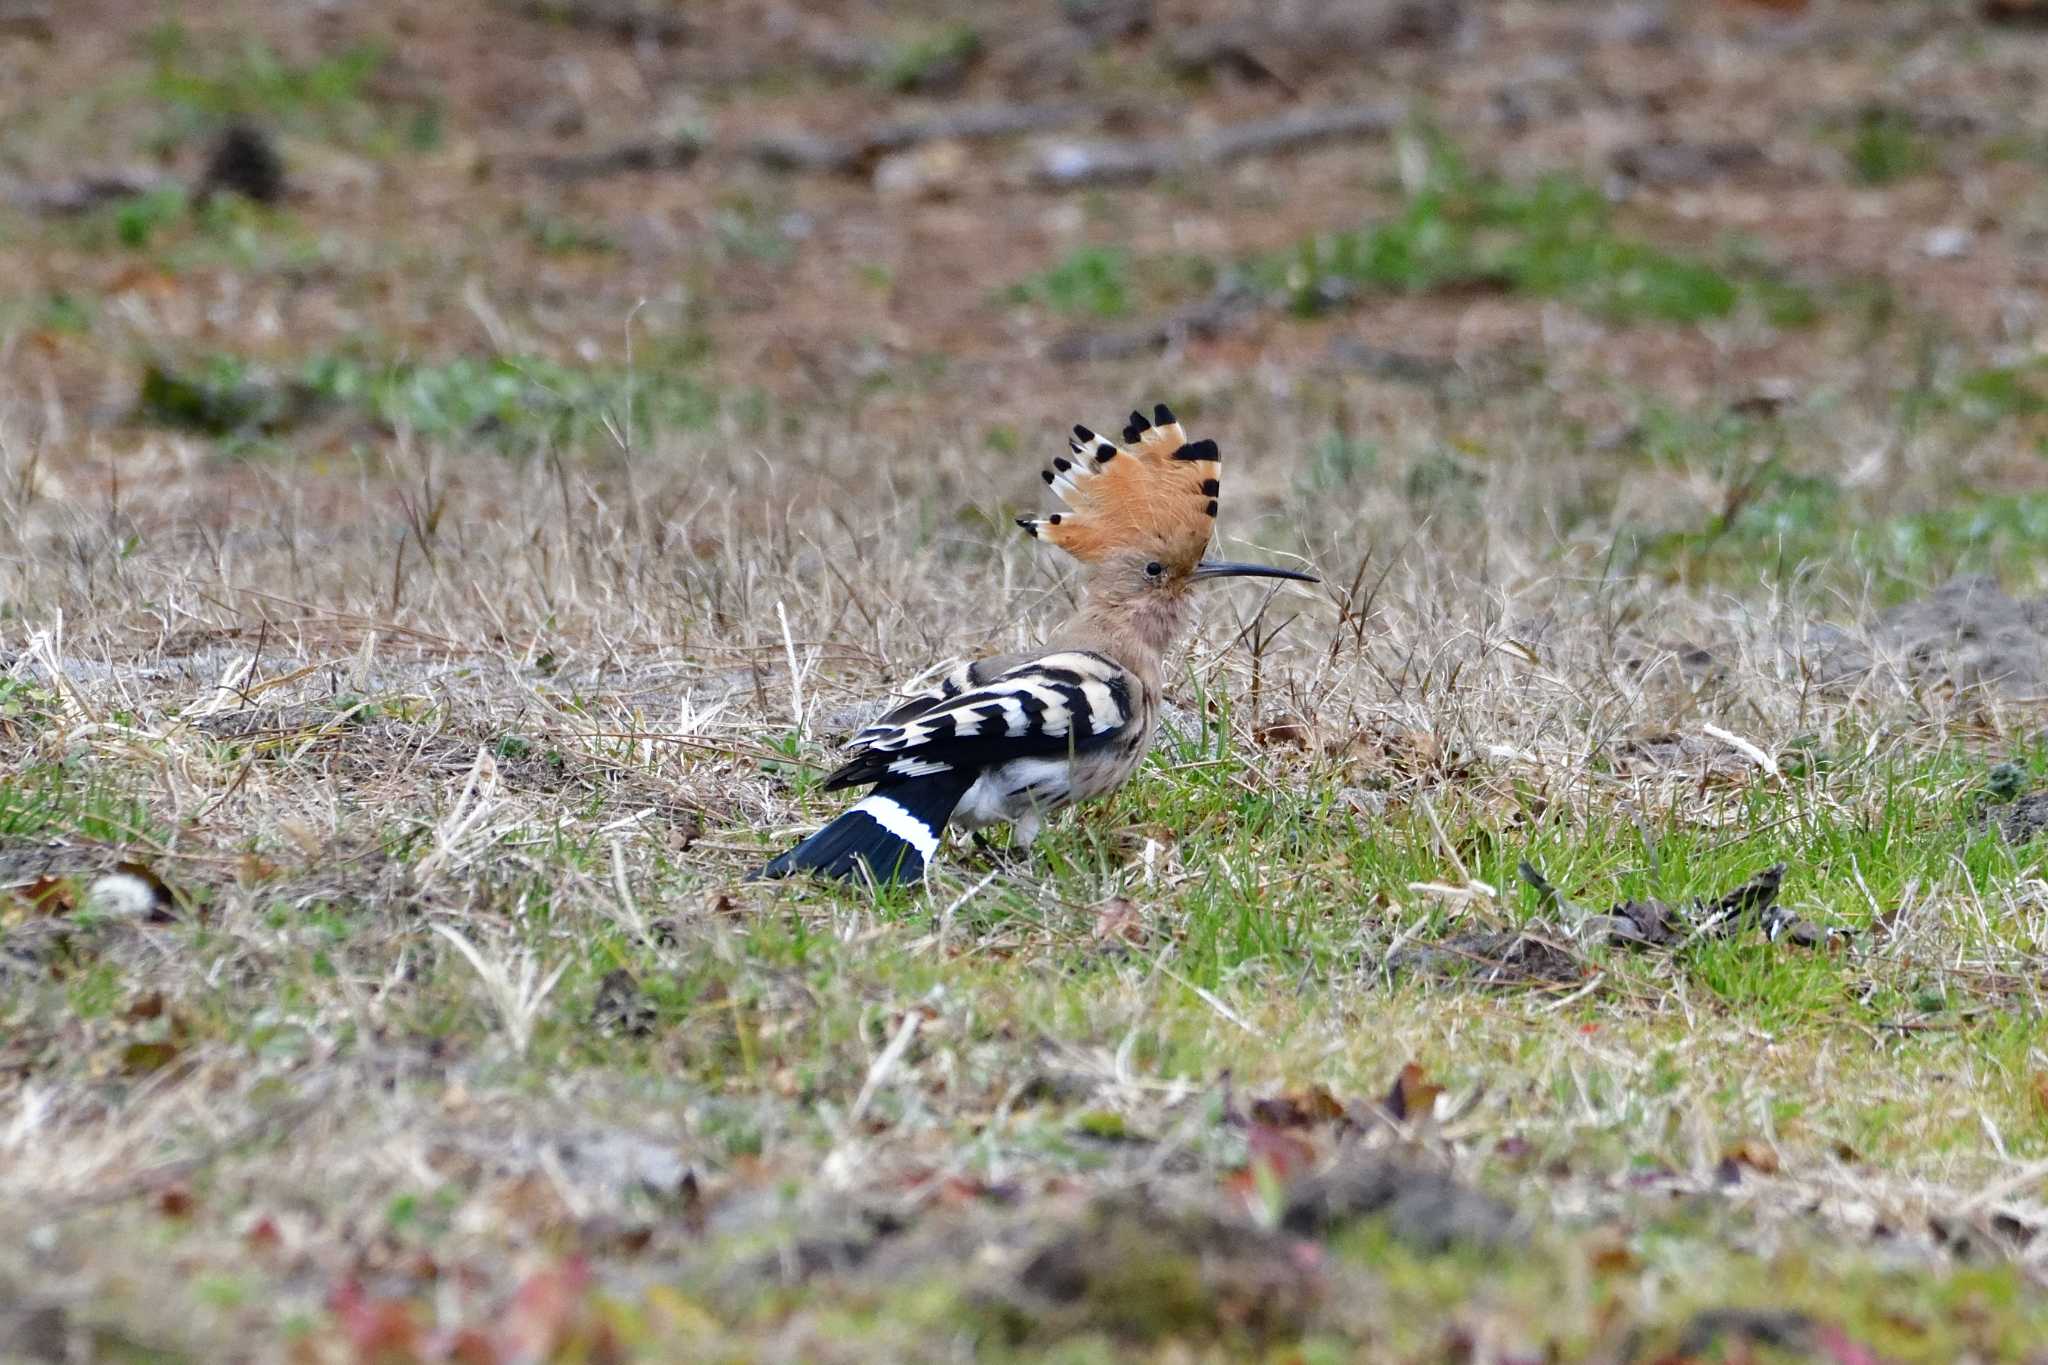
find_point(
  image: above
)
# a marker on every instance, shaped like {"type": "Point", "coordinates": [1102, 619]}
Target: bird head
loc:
{"type": "Point", "coordinates": [1141, 514]}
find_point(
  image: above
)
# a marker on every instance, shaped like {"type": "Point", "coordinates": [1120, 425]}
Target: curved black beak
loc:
{"type": "Point", "coordinates": [1217, 568]}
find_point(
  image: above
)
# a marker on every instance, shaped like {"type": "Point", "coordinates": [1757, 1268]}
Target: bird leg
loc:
{"type": "Point", "coordinates": [998, 857]}
{"type": "Point", "coordinates": [1024, 832]}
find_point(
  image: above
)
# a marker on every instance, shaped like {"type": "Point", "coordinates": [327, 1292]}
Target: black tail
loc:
{"type": "Point", "coordinates": [893, 830]}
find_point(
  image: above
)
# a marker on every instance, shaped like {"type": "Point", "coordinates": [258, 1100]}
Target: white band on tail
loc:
{"type": "Point", "coordinates": [887, 812]}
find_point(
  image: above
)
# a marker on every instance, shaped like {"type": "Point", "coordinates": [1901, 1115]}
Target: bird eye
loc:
{"type": "Point", "coordinates": [1154, 569]}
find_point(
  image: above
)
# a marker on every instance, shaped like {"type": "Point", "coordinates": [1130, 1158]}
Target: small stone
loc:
{"type": "Point", "coordinates": [933, 171]}
{"type": "Point", "coordinates": [244, 162]}
{"type": "Point", "coordinates": [121, 895]}
{"type": "Point", "coordinates": [1947, 243]}
{"type": "Point", "coordinates": [621, 1006]}
{"type": "Point", "coordinates": [2005, 781]}
{"type": "Point", "coordinates": [1633, 23]}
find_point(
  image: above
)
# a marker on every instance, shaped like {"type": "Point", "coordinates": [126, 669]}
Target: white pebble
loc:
{"type": "Point", "coordinates": [120, 895]}
{"type": "Point", "coordinates": [1947, 243]}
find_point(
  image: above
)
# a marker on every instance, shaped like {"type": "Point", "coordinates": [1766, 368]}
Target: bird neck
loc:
{"type": "Point", "coordinates": [1136, 630]}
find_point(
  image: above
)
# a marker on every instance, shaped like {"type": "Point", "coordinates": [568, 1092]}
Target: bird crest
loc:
{"type": "Point", "coordinates": [1155, 493]}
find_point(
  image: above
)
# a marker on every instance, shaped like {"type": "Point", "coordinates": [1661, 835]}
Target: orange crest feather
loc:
{"type": "Point", "coordinates": [1155, 492]}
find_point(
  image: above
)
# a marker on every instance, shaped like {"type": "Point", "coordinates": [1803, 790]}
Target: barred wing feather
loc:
{"type": "Point", "coordinates": [1066, 702]}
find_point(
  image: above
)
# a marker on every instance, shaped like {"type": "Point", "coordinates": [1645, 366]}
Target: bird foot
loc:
{"type": "Point", "coordinates": [1007, 858]}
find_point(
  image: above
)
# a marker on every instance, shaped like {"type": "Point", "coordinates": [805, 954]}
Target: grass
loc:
{"type": "Point", "coordinates": [1550, 238]}
{"type": "Point", "coordinates": [450, 672]}
{"type": "Point", "coordinates": [2000, 391]}
{"type": "Point", "coordinates": [167, 229]}
{"type": "Point", "coordinates": [1759, 511]}
{"type": "Point", "coordinates": [1884, 146]}
{"type": "Point", "coordinates": [928, 60]}
{"type": "Point", "coordinates": [1093, 280]}
{"type": "Point", "coordinates": [202, 85]}
{"type": "Point", "coordinates": [1460, 232]}
{"type": "Point", "coordinates": [512, 399]}
{"type": "Point", "coordinates": [1264, 909]}
{"type": "Point", "coordinates": [1808, 526]}
{"type": "Point", "coordinates": [516, 395]}
{"type": "Point", "coordinates": [1109, 282]}
{"type": "Point", "coordinates": [559, 236]}
{"type": "Point", "coordinates": [58, 800]}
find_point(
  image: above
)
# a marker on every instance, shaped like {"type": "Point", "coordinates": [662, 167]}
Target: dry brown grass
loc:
{"type": "Point", "coordinates": [312, 725]}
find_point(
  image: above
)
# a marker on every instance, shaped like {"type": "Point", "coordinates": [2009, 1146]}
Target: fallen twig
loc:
{"type": "Point", "coordinates": [1286, 48]}
{"type": "Point", "coordinates": [1078, 165]}
{"type": "Point", "coordinates": [1221, 311]}
{"type": "Point", "coordinates": [856, 153]}
{"type": "Point", "coordinates": [632, 20]}
{"type": "Point", "coordinates": [667, 154]}
{"type": "Point", "coordinates": [1058, 166]}
{"type": "Point", "coordinates": [803, 151]}
{"type": "Point", "coordinates": [84, 193]}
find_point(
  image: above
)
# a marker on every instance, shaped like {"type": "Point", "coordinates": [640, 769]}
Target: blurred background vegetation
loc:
{"type": "Point", "coordinates": [290, 236]}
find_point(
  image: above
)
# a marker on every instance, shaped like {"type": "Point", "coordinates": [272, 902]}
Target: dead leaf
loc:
{"type": "Point", "coordinates": [1413, 1094]}
{"type": "Point", "coordinates": [690, 1204]}
{"type": "Point", "coordinates": [1491, 958]}
{"type": "Point", "coordinates": [1118, 920]}
{"type": "Point", "coordinates": [608, 1236]}
{"type": "Point", "coordinates": [531, 1202]}
{"type": "Point", "coordinates": [50, 895]}
{"type": "Point", "coordinates": [1283, 1153]}
{"type": "Point", "coordinates": [1273, 1156]}
{"type": "Point", "coordinates": [1132, 839]}
{"type": "Point", "coordinates": [1610, 1255]}
{"type": "Point", "coordinates": [1754, 1153]}
{"type": "Point", "coordinates": [1416, 753]}
{"type": "Point", "coordinates": [1515, 1149]}
{"type": "Point", "coordinates": [1831, 1343]}
{"type": "Point", "coordinates": [1300, 1110]}
{"type": "Point", "coordinates": [464, 1346]}
{"type": "Point", "coordinates": [137, 279]}
{"type": "Point", "coordinates": [547, 1312]}
{"type": "Point", "coordinates": [680, 1316]}
{"type": "Point", "coordinates": [1400, 754]}
{"type": "Point", "coordinates": [140, 1059]}
{"type": "Point", "coordinates": [309, 840]}
{"type": "Point", "coordinates": [1660, 924]}
{"type": "Point", "coordinates": [263, 1239]}
{"type": "Point", "coordinates": [378, 1328]}
{"type": "Point", "coordinates": [251, 869]}
{"type": "Point", "coordinates": [1291, 733]}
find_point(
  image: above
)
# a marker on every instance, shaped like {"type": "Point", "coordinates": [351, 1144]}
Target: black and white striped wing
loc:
{"type": "Point", "coordinates": [955, 682]}
{"type": "Point", "coordinates": [1063, 703]}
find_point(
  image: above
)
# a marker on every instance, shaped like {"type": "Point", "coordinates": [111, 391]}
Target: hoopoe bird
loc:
{"type": "Point", "coordinates": [1016, 737]}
